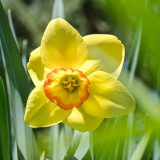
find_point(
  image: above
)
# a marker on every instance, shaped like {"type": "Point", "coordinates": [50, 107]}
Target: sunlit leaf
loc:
{"type": "Point", "coordinates": [136, 47]}
{"type": "Point", "coordinates": [156, 153]}
{"type": "Point", "coordinates": [12, 56]}
{"type": "Point", "coordinates": [83, 146]}
{"type": "Point", "coordinates": [58, 9]}
{"type": "Point", "coordinates": [139, 151]}
{"type": "Point", "coordinates": [23, 141]}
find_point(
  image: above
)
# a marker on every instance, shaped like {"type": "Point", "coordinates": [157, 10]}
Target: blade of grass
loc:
{"type": "Point", "coordinates": [11, 25]}
{"type": "Point", "coordinates": [17, 92]}
{"type": "Point", "coordinates": [158, 81]}
{"type": "Point", "coordinates": [91, 149]}
{"type": "Point", "coordinates": [76, 137]}
{"type": "Point", "coordinates": [42, 156]}
{"type": "Point", "coordinates": [64, 149]}
{"type": "Point", "coordinates": [55, 144]}
{"type": "Point", "coordinates": [136, 48]}
{"type": "Point", "coordinates": [21, 133]}
{"type": "Point", "coordinates": [148, 152]}
{"type": "Point", "coordinates": [64, 145]}
{"type": "Point", "coordinates": [140, 149]}
{"type": "Point", "coordinates": [58, 9]}
{"type": "Point", "coordinates": [2, 73]}
{"type": "Point", "coordinates": [144, 96]}
{"type": "Point", "coordinates": [4, 124]}
{"type": "Point", "coordinates": [129, 139]}
{"type": "Point", "coordinates": [156, 153]}
{"type": "Point", "coordinates": [83, 146]}
{"type": "Point", "coordinates": [24, 54]}
{"type": "Point", "coordinates": [14, 151]}
{"type": "Point", "coordinates": [16, 71]}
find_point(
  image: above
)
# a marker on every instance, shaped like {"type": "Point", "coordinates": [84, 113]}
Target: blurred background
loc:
{"type": "Point", "coordinates": [137, 24]}
{"type": "Point", "coordinates": [121, 18]}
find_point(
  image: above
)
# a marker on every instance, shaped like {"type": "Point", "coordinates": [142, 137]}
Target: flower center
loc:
{"type": "Point", "coordinates": [70, 83]}
{"type": "Point", "coordinates": [68, 88]}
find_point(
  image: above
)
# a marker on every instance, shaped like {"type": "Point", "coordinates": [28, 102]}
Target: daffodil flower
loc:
{"type": "Point", "coordinates": [76, 79]}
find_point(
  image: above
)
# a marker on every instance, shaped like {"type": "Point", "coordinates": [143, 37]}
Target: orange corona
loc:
{"type": "Point", "coordinates": [67, 87]}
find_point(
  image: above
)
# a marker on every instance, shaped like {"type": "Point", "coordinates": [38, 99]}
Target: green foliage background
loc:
{"type": "Point", "coordinates": [133, 137]}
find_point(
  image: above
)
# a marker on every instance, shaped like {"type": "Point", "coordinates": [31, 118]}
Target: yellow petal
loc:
{"type": "Point", "coordinates": [35, 67]}
{"type": "Point", "coordinates": [90, 66]}
{"type": "Point", "coordinates": [82, 121]}
{"type": "Point", "coordinates": [108, 97]}
{"type": "Point", "coordinates": [62, 46]}
{"type": "Point", "coordinates": [109, 50]}
{"type": "Point", "coordinates": [40, 112]}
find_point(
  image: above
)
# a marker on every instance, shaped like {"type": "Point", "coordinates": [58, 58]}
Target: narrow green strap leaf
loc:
{"type": "Point", "coordinates": [156, 148]}
{"type": "Point", "coordinates": [129, 140]}
{"type": "Point", "coordinates": [42, 156]}
{"type": "Point", "coordinates": [58, 9]}
{"type": "Point", "coordinates": [83, 146]}
{"type": "Point", "coordinates": [2, 72]}
{"type": "Point", "coordinates": [144, 96]}
{"type": "Point", "coordinates": [4, 125]}
{"type": "Point", "coordinates": [136, 48]}
{"type": "Point", "coordinates": [91, 149]}
{"type": "Point", "coordinates": [18, 89]}
{"type": "Point", "coordinates": [59, 147]}
{"type": "Point", "coordinates": [54, 137]}
{"type": "Point", "coordinates": [76, 137]}
{"type": "Point", "coordinates": [140, 149]}
{"type": "Point", "coordinates": [24, 53]}
{"type": "Point", "coordinates": [158, 81]}
{"type": "Point", "coordinates": [11, 25]}
{"type": "Point", "coordinates": [16, 71]}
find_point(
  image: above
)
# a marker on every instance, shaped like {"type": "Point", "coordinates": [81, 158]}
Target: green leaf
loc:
{"type": "Point", "coordinates": [140, 149]}
{"type": "Point", "coordinates": [58, 9]}
{"type": "Point", "coordinates": [156, 153]}
{"type": "Point", "coordinates": [83, 146]}
{"type": "Point", "coordinates": [11, 25]}
{"type": "Point", "coordinates": [12, 57]}
{"type": "Point", "coordinates": [2, 73]}
{"type": "Point", "coordinates": [91, 150]}
{"type": "Point", "coordinates": [42, 156]}
{"type": "Point", "coordinates": [4, 124]}
{"type": "Point", "coordinates": [136, 47]}
{"type": "Point", "coordinates": [23, 140]}
{"type": "Point", "coordinates": [144, 96]}
{"type": "Point", "coordinates": [59, 146]}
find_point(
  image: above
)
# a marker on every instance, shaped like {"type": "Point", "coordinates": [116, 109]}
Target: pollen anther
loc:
{"type": "Point", "coordinates": [70, 83]}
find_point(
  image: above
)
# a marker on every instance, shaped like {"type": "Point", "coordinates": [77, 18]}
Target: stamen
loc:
{"type": "Point", "coordinates": [65, 82]}
{"type": "Point", "coordinates": [70, 83]}
{"type": "Point", "coordinates": [75, 85]}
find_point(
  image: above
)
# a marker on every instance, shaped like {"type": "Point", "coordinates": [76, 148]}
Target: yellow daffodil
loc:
{"type": "Point", "coordinates": [76, 79]}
